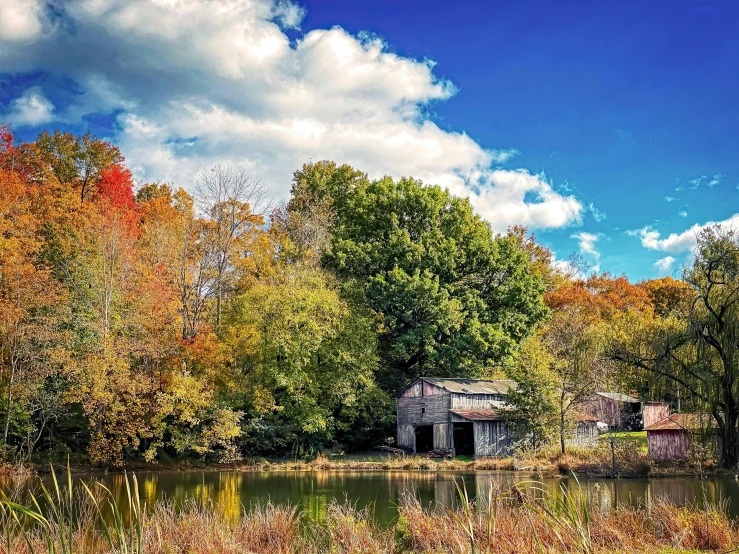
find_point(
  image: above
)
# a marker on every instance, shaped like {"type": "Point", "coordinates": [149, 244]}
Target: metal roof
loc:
{"type": "Point", "coordinates": [682, 422]}
{"type": "Point", "coordinates": [472, 386]}
{"type": "Point", "coordinates": [478, 415]}
{"type": "Point", "coordinates": [618, 397]}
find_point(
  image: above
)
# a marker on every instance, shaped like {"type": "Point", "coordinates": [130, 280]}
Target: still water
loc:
{"type": "Point", "coordinates": [383, 491]}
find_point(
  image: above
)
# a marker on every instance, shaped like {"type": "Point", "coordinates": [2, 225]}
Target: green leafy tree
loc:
{"type": "Point", "coordinates": [451, 298]}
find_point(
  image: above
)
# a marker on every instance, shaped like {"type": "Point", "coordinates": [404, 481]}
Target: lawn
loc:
{"type": "Point", "coordinates": [639, 436]}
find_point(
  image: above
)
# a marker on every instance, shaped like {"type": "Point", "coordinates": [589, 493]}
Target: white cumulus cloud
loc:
{"type": "Point", "coordinates": [30, 109]}
{"type": "Point", "coordinates": [684, 241]}
{"type": "Point", "coordinates": [587, 247]}
{"type": "Point", "coordinates": [664, 264]}
{"type": "Point", "coordinates": [193, 83]}
{"type": "Point", "coordinates": [20, 21]}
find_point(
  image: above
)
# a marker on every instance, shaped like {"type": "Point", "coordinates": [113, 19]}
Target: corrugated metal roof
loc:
{"type": "Point", "coordinates": [682, 422]}
{"type": "Point", "coordinates": [472, 386]}
{"type": "Point", "coordinates": [617, 396]}
{"type": "Point", "coordinates": [478, 415]}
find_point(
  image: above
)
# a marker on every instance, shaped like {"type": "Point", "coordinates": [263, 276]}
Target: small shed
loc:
{"type": "Point", "coordinates": [461, 415]}
{"type": "Point", "coordinates": [586, 431]}
{"type": "Point", "coordinates": [620, 411]}
{"type": "Point", "coordinates": [670, 438]}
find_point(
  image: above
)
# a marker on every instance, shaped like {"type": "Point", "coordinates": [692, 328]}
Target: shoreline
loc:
{"type": "Point", "coordinates": [563, 466]}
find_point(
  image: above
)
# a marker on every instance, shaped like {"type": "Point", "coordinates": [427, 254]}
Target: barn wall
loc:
{"type": "Point", "coordinates": [654, 412]}
{"type": "Point", "coordinates": [433, 390]}
{"type": "Point", "coordinates": [586, 434]}
{"type": "Point", "coordinates": [406, 437]}
{"type": "Point", "coordinates": [443, 436]}
{"type": "Point", "coordinates": [491, 438]}
{"type": "Point", "coordinates": [668, 445]}
{"type": "Point", "coordinates": [477, 401]}
{"type": "Point", "coordinates": [425, 410]}
{"type": "Point", "coordinates": [415, 390]}
{"type": "Point", "coordinates": [605, 409]}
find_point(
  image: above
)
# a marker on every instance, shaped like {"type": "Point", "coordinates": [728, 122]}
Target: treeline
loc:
{"type": "Point", "coordinates": [156, 322]}
{"type": "Point", "coordinates": [151, 322]}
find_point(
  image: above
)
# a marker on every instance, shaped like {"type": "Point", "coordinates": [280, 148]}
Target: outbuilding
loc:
{"type": "Point", "coordinates": [670, 439]}
{"type": "Point", "coordinates": [620, 411]}
{"type": "Point", "coordinates": [459, 415]}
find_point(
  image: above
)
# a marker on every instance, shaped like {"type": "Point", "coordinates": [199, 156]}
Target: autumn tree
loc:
{"type": "Point", "coordinates": [698, 353]}
{"type": "Point", "coordinates": [76, 162]}
{"type": "Point", "coordinates": [29, 298]}
{"type": "Point", "coordinates": [233, 205]}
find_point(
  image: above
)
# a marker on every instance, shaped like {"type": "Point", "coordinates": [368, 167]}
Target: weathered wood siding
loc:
{"type": "Point", "coordinates": [433, 390]}
{"type": "Point", "coordinates": [586, 434]}
{"type": "Point", "coordinates": [477, 401]}
{"type": "Point", "coordinates": [425, 410]}
{"type": "Point", "coordinates": [668, 445]}
{"type": "Point", "coordinates": [443, 435]}
{"type": "Point", "coordinates": [654, 412]}
{"type": "Point", "coordinates": [491, 438]}
{"type": "Point", "coordinates": [614, 413]}
{"type": "Point", "coordinates": [407, 436]}
{"type": "Point", "coordinates": [416, 389]}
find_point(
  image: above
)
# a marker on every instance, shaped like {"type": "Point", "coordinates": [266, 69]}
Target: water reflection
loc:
{"type": "Point", "coordinates": [382, 492]}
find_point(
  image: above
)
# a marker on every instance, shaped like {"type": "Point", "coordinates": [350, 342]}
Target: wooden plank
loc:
{"type": "Point", "coordinates": [433, 390]}
{"type": "Point", "coordinates": [414, 391]}
{"type": "Point", "coordinates": [407, 437]}
{"type": "Point", "coordinates": [477, 401]}
{"type": "Point", "coordinates": [442, 436]}
{"type": "Point", "coordinates": [423, 411]}
{"type": "Point", "coordinates": [491, 438]}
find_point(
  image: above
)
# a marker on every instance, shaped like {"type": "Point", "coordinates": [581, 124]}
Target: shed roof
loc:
{"type": "Point", "coordinates": [681, 422]}
{"type": "Point", "coordinates": [581, 417]}
{"type": "Point", "coordinates": [478, 415]}
{"type": "Point", "coordinates": [472, 386]}
{"type": "Point", "coordinates": [617, 396]}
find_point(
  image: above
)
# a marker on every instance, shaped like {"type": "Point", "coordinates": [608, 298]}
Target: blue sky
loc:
{"type": "Point", "coordinates": [608, 127]}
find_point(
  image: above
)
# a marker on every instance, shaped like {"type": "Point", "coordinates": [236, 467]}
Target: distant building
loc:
{"type": "Point", "coordinates": [460, 415]}
{"type": "Point", "coordinates": [620, 411]}
{"type": "Point", "coordinates": [670, 439]}
{"type": "Point", "coordinates": [586, 430]}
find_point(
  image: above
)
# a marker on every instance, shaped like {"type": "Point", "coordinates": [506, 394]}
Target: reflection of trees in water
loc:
{"type": "Point", "coordinates": [382, 492]}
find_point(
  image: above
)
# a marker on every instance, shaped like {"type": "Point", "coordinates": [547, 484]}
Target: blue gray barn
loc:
{"type": "Point", "coordinates": [461, 415]}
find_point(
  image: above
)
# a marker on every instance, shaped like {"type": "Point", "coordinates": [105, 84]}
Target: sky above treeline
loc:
{"type": "Point", "coordinates": [607, 128]}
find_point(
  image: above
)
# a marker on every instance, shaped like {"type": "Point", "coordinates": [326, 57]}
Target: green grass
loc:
{"type": "Point", "coordinates": [639, 436]}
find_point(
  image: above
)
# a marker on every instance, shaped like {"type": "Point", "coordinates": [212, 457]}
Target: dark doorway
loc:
{"type": "Point", "coordinates": [424, 438]}
{"type": "Point", "coordinates": [464, 439]}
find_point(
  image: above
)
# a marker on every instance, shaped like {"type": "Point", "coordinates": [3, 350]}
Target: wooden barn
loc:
{"type": "Point", "coordinates": [669, 439]}
{"type": "Point", "coordinates": [620, 411]}
{"type": "Point", "coordinates": [459, 415]}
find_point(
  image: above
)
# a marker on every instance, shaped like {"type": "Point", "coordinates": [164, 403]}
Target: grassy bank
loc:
{"type": "Point", "coordinates": [526, 518]}
{"type": "Point", "coordinates": [619, 454]}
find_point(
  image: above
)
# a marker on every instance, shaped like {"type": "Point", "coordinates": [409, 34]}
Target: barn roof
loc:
{"type": "Point", "coordinates": [681, 422]}
{"type": "Point", "coordinates": [472, 386]}
{"type": "Point", "coordinates": [618, 397]}
{"type": "Point", "coordinates": [478, 415]}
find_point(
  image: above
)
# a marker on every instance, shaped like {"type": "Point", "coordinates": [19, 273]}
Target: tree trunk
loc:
{"type": "Point", "coordinates": [562, 431]}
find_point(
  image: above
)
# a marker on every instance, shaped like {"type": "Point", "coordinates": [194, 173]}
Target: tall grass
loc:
{"type": "Point", "coordinates": [528, 517]}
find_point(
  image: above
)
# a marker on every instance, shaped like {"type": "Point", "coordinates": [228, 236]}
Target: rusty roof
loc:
{"type": "Point", "coordinates": [478, 415]}
{"type": "Point", "coordinates": [582, 417]}
{"type": "Point", "coordinates": [472, 386]}
{"type": "Point", "coordinates": [682, 422]}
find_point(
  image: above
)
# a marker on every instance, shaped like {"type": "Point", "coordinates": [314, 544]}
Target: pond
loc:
{"type": "Point", "coordinates": [382, 491]}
